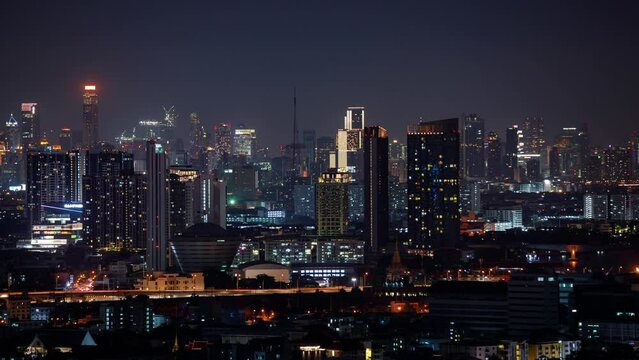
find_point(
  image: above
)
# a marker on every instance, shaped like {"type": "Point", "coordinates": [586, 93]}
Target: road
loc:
{"type": "Point", "coordinates": [115, 295]}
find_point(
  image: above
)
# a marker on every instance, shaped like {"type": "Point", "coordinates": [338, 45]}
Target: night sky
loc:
{"type": "Point", "coordinates": [238, 61]}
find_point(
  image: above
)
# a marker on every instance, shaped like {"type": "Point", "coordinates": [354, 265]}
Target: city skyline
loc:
{"type": "Point", "coordinates": [246, 76]}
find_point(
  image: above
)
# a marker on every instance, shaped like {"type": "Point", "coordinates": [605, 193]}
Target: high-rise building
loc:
{"type": "Point", "coordinates": [77, 168]}
{"type": "Point", "coordinates": [331, 203]}
{"type": "Point", "coordinates": [433, 183]}
{"type": "Point", "coordinates": [308, 137]}
{"type": "Point", "coordinates": [114, 201]}
{"type": "Point", "coordinates": [157, 207]}
{"type": "Point", "coordinates": [596, 206]}
{"type": "Point", "coordinates": [397, 160]}
{"type": "Point", "coordinates": [31, 134]}
{"type": "Point", "coordinates": [210, 201]}
{"type": "Point", "coordinates": [617, 164]}
{"type": "Point", "coordinates": [493, 156]}
{"type": "Point", "coordinates": [304, 200]}
{"type": "Point", "coordinates": [533, 135]}
{"type": "Point", "coordinates": [472, 146]}
{"type": "Point", "coordinates": [90, 135]}
{"type": "Point", "coordinates": [354, 118]}
{"type": "Point", "coordinates": [325, 145]}
{"type": "Point", "coordinates": [182, 185]}
{"type": "Point", "coordinates": [47, 182]}
{"type": "Point", "coordinates": [65, 140]}
{"type": "Point", "coordinates": [12, 134]}
{"type": "Point", "coordinates": [197, 136]}
{"type": "Point", "coordinates": [11, 173]}
{"type": "Point", "coordinates": [244, 143]}
{"type": "Point", "coordinates": [376, 187]}
{"type": "Point", "coordinates": [510, 152]}
{"type": "Point", "coordinates": [223, 141]}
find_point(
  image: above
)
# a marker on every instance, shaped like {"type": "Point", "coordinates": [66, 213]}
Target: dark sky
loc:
{"type": "Point", "coordinates": [237, 61]}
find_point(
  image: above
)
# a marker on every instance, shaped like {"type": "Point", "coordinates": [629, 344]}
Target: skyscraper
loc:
{"type": "Point", "coordinates": [472, 151]}
{"type": "Point", "coordinates": [354, 118]}
{"type": "Point", "coordinates": [114, 201]}
{"type": "Point", "coordinates": [533, 135]}
{"type": "Point", "coordinates": [182, 185]}
{"type": "Point", "coordinates": [493, 160]}
{"type": "Point", "coordinates": [47, 182]}
{"type": "Point", "coordinates": [12, 134]}
{"type": "Point", "coordinates": [197, 136]}
{"type": "Point", "coordinates": [77, 168]}
{"type": "Point", "coordinates": [157, 213]}
{"type": "Point", "coordinates": [510, 152]}
{"type": "Point", "coordinates": [331, 203]}
{"type": "Point", "coordinates": [308, 138]}
{"type": "Point", "coordinates": [31, 134]}
{"type": "Point", "coordinates": [433, 183]}
{"type": "Point", "coordinates": [90, 135]}
{"type": "Point", "coordinates": [223, 141]}
{"type": "Point", "coordinates": [376, 208]}
{"type": "Point", "coordinates": [65, 140]}
{"type": "Point", "coordinates": [244, 143]}
{"type": "Point", "coordinates": [325, 145]}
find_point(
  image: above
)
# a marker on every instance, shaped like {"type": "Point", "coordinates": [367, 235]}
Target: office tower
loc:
{"type": "Point", "coordinates": [210, 204]}
{"type": "Point", "coordinates": [114, 201]}
{"type": "Point", "coordinates": [349, 145]}
{"type": "Point", "coordinates": [244, 143]}
{"type": "Point", "coordinates": [356, 206]}
{"type": "Point", "coordinates": [376, 187]}
{"type": "Point", "coordinates": [12, 134]}
{"type": "Point", "coordinates": [533, 304]}
{"type": "Point", "coordinates": [493, 156]}
{"type": "Point", "coordinates": [65, 140]}
{"type": "Point", "coordinates": [470, 196]}
{"type": "Point", "coordinates": [182, 185]}
{"type": "Point", "coordinates": [47, 182]}
{"type": "Point", "coordinates": [90, 135]}
{"type": "Point", "coordinates": [77, 168]}
{"type": "Point", "coordinates": [331, 203]}
{"type": "Point", "coordinates": [397, 160]}
{"type": "Point", "coordinates": [596, 206]}
{"type": "Point", "coordinates": [354, 119]}
{"type": "Point", "coordinates": [472, 146]}
{"type": "Point", "coordinates": [616, 164]}
{"type": "Point", "coordinates": [157, 213]}
{"type": "Point", "coordinates": [510, 152]}
{"type": "Point", "coordinates": [325, 145]}
{"type": "Point", "coordinates": [31, 134]}
{"type": "Point", "coordinates": [533, 140]}
{"type": "Point", "coordinates": [308, 138]}
{"type": "Point", "coordinates": [223, 141]}
{"type": "Point", "coordinates": [197, 136]}
{"type": "Point", "coordinates": [433, 183]}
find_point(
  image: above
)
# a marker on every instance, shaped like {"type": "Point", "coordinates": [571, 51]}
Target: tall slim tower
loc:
{"type": "Point", "coordinates": [376, 186]}
{"type": "Point", "coordinates": [433, 184]}
{"type": "Point", "coordinates": [31, 134]}
{"type": "Point", "coordinates": [354, 118]}
{"type": "Point", "coordinates": [331, 204]}
{"type": "Point", "coordinates": [157, 207]}
{"type": "Point", "coordinates": [90, 135]}
{"type": "Point", "coordinates": [473, 146]}
{"type": "Point", "coordinates": [493, 156]}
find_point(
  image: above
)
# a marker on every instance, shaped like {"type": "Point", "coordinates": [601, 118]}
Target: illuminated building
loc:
{"type": "Point", "coordinates": [325, 145]}
{"type": "Point", "coordinates": [470, 196]}
{"type": "Point", "coordinates": [223, 140]}
{"type": "Point", "coordinates": [244, 143]}
{"type": "Point", "coordinates": [340, 251]}
{"type": "Point", "coordinates": [348, 148]}
{"type": "Point", "coordinates": [47, 182]}
{"type": "Point", "coordinates": [12, 134]}
{"type": "Point", "coordinates": [397, 160]}
{"type": "Point", "coordinates": [11, 157]}
{"type": "Point", "coordinates": [472, 146]}
{"type": "Point", "coordinates": [77, 168]}
{"type": "Point", "coordinates": [508, 217]}
{"type": "Point", "coordinates": [157, 210]}
{"type": "Point", "coordinates": [114, 200]}
{"type": "Point", "coordinates": [376, 207]}
{"type": "Point", "coordinates": [197, 136]}
{"type": "Point", "coordinates": [288, 251]}
{"type": "Point", "coordinates": [211, 201]}
{"type": "Point", "coordinates": [133, 314]}
{"type": "Point", "coordinates": [158, 281]}
{"type": "Point", "coordinates": [596, 207]}
{"type": "Point", "coordinates": [354, 118]}
{"type": "Point", "coordinates": [30, 117]}
{"type": "Point", "coordinates": [182, 185]}
{"type": "Point", "coordinates": [356, 204]}
{"type": "Point", "coordinates": [90, 134]}
{"type": "Point", "coordinates": [493, 156]}
{"type": "Point", "coordinates": [510, 153]}
{"type": "Point", "coordinates": [304, 196]}
{"type": "Point", "coordinates": [616, 164]}
{"type": "Point", "coordinates": [331, 203]}
{"type": "Point", "coordinates": [533, 140]}
{"type": "Point", "coordinates": [433, 184]}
